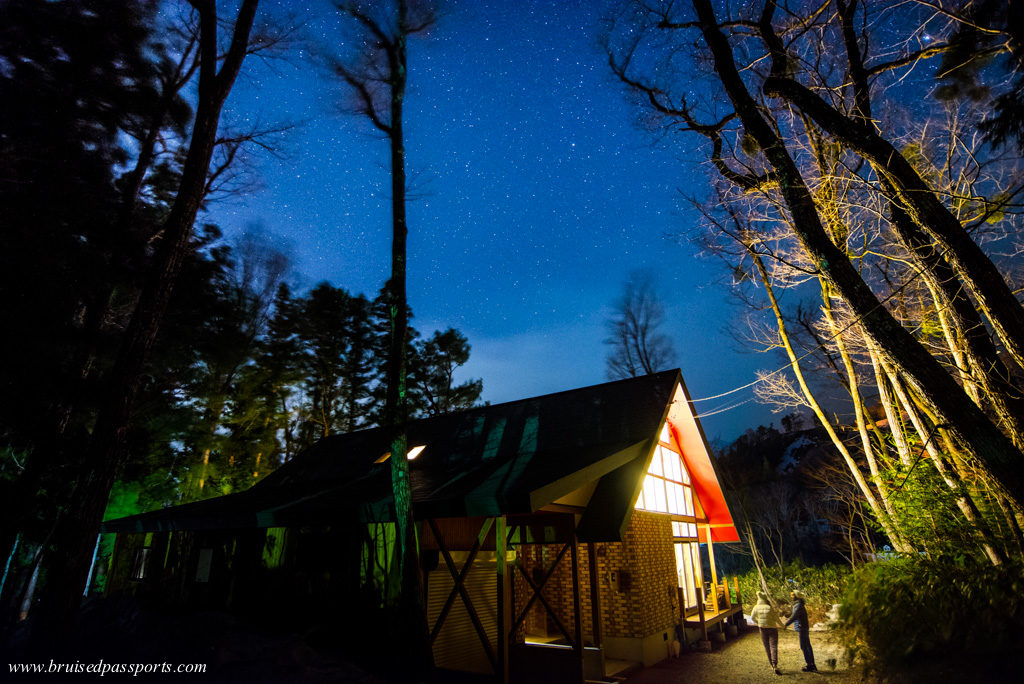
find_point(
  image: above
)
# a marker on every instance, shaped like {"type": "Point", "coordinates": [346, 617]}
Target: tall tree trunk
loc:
{"type": "Point", "coordinates": [969, 424]}
{"type": "Point", "coordinates": [389, 43]}
{"type": "Point", "coordinates": [75, 535]}
{"type": "Point", "coordinates": [976, 357]}
{"type": "Point", "coordinates": [859, 409]}
{"type": "Point", "coordinates": [1011, 521]}
{"type": "Point", "coordinates": [892, 414]}
{"type": "Point", "coordinates": [971, 342]}
{"type": "Point", "coordinates": [990, 289]}
{"type": "Point", "coordinates": [961, 495]}
{"type": "Point", "coordinates": [881, 515]}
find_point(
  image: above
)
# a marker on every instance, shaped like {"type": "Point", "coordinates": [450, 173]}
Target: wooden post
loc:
{"type": "Point", "coordinates": [739, 602]}
{"type": "Point", "coordinates": [577, 613]}
{"type": "Point", "coordinates": [711, 559]}
{"type": "Point", "coordinates": [704, 642]}
{"type": "Point", "coordinates": [511, 581]}
{"type": "Point", "coordinates": [500, 551]}
{"type": "Point", "coordinates": [595, 594]}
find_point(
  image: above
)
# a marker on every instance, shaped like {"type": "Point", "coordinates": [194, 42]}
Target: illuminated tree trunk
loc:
{"type": "Point", "coordinates": [853, 385]}
{"type": "Point", "coordinates": [888, 524]}
{"type": "Point", "coordinates": [406, 552]}
{"type": "Point", "coordinates": [950, 476]}
{"type": "Point", "coordinates": [1011, 521]}
{"type": "Point", "coordinates": [981, 372]}
{"type": "Point", "coordinates": [967, 422]}
{"type": "Point", "coordinates": [988, 286]}
{"type": "Point", "coordinates": [892, 415]}
{"type": "Point", "coordinates": [974, 354]}
{"type": "Point", "coordinates": [405, 559]}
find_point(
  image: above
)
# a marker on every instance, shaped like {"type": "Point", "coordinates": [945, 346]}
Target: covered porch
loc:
{"type": "Point", "coordinates": [485, 598]}
{"type": "Point", "coordinates": [522, 598]}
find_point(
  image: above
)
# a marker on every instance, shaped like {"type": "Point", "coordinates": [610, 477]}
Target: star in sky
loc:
{"type": "Point", "coordinates": [535, 194]}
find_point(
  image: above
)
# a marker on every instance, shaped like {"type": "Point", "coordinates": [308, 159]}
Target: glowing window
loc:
{"type": "Point", "coordinates": [688, 571]}
{"type": "Point", "coordinates": [666, 487]}
{"type": "Point", "coordinates": [413, 453]}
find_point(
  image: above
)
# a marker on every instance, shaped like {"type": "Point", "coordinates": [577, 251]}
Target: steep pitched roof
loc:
{"type": "Point", "coordinates": [509, 458]}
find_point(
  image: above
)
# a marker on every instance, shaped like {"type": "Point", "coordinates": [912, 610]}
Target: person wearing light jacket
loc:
{"type": "Point", "coordinates": [768, 622]}
{"type": "Point", "coordinates": [800, 623]}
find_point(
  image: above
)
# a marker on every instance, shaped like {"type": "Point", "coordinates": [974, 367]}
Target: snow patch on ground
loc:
{"type": "Point", "coordinates": [791, 457]}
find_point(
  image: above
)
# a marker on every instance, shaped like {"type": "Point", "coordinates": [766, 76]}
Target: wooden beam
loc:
{"type": "Point", "coordinates": [537, 594]}
{"type": "Point", "coordinates": [700, 612]}
{"type": "Point", "coordinates": [503, 580]}
{"type": "Point", "coordinates": [714, 571]}
{"type": "Point", "coordinates": [511, 594]}
{"type": "Point", "coordinates": [536, 591]}
{"type": "Point", "coordinates": [470, 610]}
{"type": "Point", "coordinates": [595, 594]}
{"type": "Point", "coordinates": [577, 612]}
{"type": "Point", "coordinates": [460, 577]}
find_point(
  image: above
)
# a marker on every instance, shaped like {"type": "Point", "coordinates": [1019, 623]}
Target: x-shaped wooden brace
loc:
{"type": "Point", "coordinates": [460, 577]}
{"type": "Point", "coordinates": [537, 589]}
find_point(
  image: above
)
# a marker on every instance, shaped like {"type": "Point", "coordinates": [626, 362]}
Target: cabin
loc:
{"type": "Point", "coordinates": [562, 537]}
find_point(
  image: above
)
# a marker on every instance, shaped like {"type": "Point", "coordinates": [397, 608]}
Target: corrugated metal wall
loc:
{"type": "Point", "coordinates": [458, 645]}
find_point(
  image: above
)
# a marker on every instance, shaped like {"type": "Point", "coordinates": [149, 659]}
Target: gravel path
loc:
{"type": "Point", "coordinates": [742, 659]}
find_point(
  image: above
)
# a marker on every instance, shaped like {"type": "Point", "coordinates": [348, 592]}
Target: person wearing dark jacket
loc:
{"type": "Point", "coordinates": [800, 623]}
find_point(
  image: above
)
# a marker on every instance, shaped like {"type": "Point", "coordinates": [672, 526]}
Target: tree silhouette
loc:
{"type": "Point", "coordinates": [376, 78]}
{"type": "Point", "coordinates": [75, 534]}
{"type": "Point", "coordinates": [637, 346]}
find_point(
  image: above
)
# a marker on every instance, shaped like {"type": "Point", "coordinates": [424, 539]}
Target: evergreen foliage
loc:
{"type": "Point", "coordinates": [244, 379]}
{"type": "Point", "coordinates": [96, 125]}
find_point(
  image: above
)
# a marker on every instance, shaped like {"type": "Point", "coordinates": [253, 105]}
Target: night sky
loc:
{"type": "Point", "coordinates": [535, 196]}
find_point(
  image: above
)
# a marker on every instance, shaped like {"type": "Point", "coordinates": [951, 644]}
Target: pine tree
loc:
{"type": "Point", "coordinates": [432, 366]}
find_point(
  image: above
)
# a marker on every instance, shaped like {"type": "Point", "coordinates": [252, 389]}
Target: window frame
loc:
{"type": "Point", "coordinates": [685, 482]}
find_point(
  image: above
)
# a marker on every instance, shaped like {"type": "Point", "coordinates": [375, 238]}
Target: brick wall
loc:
{"type": "Point", "coordinates": [637, 579]}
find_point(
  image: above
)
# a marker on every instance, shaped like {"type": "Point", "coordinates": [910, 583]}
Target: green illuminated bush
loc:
{"type": "Point", "coordinates": [900, 611]}
{"type": "Point", "coordinates": [821, 585]}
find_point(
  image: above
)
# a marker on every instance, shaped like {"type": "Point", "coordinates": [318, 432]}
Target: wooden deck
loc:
{"type": "Point", "coordinates": [720, 608]}
{"type": "Point", "coordinates": [713, 617]}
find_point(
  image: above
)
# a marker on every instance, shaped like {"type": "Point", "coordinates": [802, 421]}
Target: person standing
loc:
{"type": "Point", "coordinates": [800, 623]}
{"type": "Point", "coordinates": [767, 620]}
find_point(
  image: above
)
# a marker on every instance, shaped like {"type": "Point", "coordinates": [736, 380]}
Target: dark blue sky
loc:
{"type": "Point", "coordinates": [536, 195]}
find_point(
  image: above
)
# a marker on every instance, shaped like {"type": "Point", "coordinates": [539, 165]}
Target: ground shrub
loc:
{"type": "Point", "coordinates": [900, 611]}
{"type": "Point", "coordinates": [822, 586]}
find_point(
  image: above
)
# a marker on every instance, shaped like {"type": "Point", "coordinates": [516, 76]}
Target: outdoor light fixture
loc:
{"type": "Point", "coordinates": [413, 453]}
